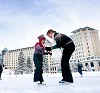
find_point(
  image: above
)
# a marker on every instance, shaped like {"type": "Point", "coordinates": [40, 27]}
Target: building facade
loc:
{"type": "Point", "coordinates": [10, 59]}
{"type": "Point", "coordinates": [87, 50]}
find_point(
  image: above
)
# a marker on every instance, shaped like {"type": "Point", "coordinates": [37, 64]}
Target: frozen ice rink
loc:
{"type": "Point", "coordinates": [89, 83]}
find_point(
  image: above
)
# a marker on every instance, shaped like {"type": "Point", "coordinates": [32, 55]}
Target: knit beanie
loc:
{"type": "Point", "coordinates": [41, 37]}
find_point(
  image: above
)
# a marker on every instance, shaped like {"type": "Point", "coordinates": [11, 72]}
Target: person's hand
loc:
{"type": "Point", "coordinates": [49, 53]}
{"type": "Point", "coordinates": [3, 65]}
{"type": "Point", "coordinates": [48, 48]}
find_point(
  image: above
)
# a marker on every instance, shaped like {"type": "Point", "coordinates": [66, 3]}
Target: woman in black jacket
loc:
{"type": "Point", "coordinates": [63, 41]}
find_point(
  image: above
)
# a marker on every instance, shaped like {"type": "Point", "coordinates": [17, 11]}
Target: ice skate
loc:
{"type": "Point", "coordinates": [40, 83]}
{"type": "Point", "coordinates": [64, 82]}
{"type": "Point", "coordinates": [81, 76]}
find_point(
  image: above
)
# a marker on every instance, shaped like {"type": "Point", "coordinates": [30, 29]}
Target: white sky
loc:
{"type": "Point", "coordinates": [22, 21]}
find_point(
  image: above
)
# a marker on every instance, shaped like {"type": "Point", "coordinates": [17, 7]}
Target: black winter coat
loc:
{"type": "Point", "coordinates": [61, 40]}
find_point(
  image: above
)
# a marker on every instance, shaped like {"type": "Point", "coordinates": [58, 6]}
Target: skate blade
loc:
{"type": "Point", "coordinates": [65, 83]}
{"type": "Point", "coordinates": [42, 84]}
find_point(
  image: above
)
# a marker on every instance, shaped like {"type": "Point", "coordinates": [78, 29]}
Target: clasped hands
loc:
{"type": "Point", "coordinates": [48, 49]}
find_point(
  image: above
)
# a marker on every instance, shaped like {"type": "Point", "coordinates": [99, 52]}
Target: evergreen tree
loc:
{"type": "Point", "coordinates": [29, 67]}
{"type": "Point", "coordinates": [21, 64]}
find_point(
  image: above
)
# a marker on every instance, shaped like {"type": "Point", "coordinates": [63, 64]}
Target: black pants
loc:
{"type": "Point", "coordinates": [38, 59]}
{"type": "Point", "coordinates": [1, 69]}
{"type": "Point", "coordinates": [66, 72]}
{"type": "Point", "coordinates": [0, 75]}
{"type": "Point", "coordinates": [80, 71]}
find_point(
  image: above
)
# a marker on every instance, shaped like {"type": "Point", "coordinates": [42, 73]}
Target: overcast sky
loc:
{"type": "Point", "coordinates": [22, 21]}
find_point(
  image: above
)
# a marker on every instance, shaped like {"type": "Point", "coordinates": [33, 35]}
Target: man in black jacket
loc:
{"type": "Point", "coordinates": [63, 41]}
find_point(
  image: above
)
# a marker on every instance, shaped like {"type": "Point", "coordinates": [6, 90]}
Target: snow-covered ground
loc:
{"type": "Point", "coordinates": [89, 83]}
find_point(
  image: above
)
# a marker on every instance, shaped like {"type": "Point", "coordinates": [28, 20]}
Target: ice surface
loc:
{"type": "Point", "coordinates": [89, 83]}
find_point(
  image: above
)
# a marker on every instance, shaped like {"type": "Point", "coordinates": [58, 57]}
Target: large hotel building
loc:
{"type": "Point", "coordinates": [87, 52]}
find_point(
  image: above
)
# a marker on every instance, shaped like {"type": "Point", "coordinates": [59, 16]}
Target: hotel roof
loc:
{"type": "Point", "coordinates": [82, 29]}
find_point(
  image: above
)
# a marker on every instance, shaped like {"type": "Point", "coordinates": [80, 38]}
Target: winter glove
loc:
{"type": "Point", "coordinates": [50, 53]}
{"type": "Point", "coordinates": [48, 49]}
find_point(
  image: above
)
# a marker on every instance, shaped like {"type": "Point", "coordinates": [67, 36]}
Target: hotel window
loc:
{"type": "Point", "coordinates": [86, 64]}
{"type": "Point", "coordinates": [88, 51]}
{"type": "Point", "coordinates": [92, 57]}
{"type": "Point", "coordinates": [88, 58]}
{"type": "Point", "coordinates": [87, 47]}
